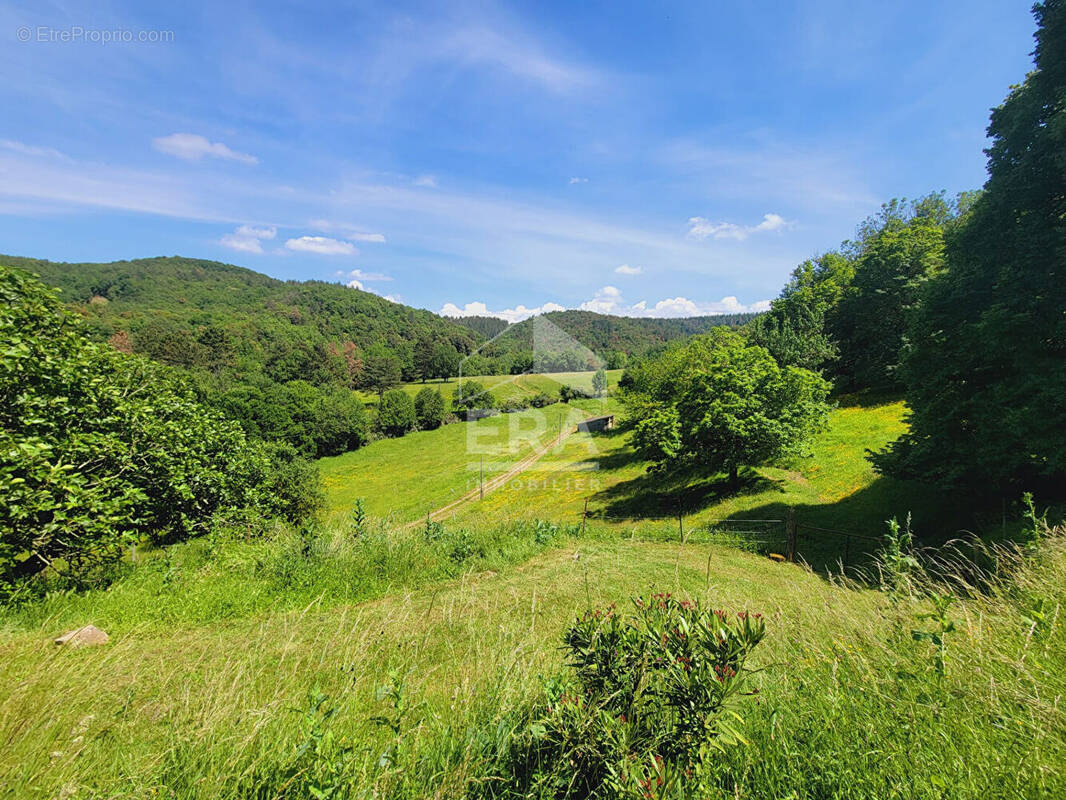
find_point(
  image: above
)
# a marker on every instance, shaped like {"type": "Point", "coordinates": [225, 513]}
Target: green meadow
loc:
{"type": "Point", "coordinates": [509, 387]}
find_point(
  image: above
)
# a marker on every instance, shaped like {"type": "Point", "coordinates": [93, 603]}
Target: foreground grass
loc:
{"type": "Point", "coordinates": [196, 699]}
{"type": "Point", "coordinates": [194, 686]}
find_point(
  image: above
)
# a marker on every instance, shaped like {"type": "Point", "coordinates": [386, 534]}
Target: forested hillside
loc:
{"type": "Point", "coordinates": [613, 339]}
{"type": "Point", "coordinates": [282, 357]}
{"type": "Point", "coordinates": [194, 313]}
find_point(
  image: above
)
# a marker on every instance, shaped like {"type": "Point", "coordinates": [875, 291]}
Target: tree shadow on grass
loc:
{"type": "Point", "coordinates": [821, 527]}
{"type": "Point", "coordinates": [665, 494]}
{"type": "Point", "coordinates": [618, 458]}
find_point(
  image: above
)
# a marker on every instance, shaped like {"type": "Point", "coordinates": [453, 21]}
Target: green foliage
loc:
{"type": "Point", "coordinates": [720, 402]}
{"type": "Point", "coordinates": [794, 330]}
{"type": "Point", "coordinates": [485, 327]}
{"type": "Point", "coordinates": [317, 421]}
{"type": "Point", "coordinates": [396, 413]}
{"type": "Point", "coordinates": [986, 369]}
{"type": "Point", "coordinates": [278, 357]}
{"type": "Point", "coordinates": [657, 434]}
{"type": "Point", "coordinates": [472, 395]}
{"type": "Point", "coordinates": [898, 252]}
{"type": "Point", "coordinates": [434, 359]}
{"type": "Point", "coordinates": [382, 369]}
{"type": "Point", "coordinates": [429, 409]}
{"type": "Point", "coordinates": [896, 560]}
{"type": "Point", "coordinates": [568, 393]}
{"type": "Point", "coordinates": [645, 713]}
{"type": "Point", "coordinates": [941, 625]}
{"type": "Point", "coordinates": [614, 338]}
{"type": "Point", "coordinates": [599, 383]}
{"type": "Point", "coordinates": [358, 517]}
{"type": "Point", "coordinates": [542, 399]}
{"type": "Point", "coordinates": [99, 449]}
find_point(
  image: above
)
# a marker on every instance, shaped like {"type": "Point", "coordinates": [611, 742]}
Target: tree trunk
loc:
{"type": "Point", "coordinates": [734, 477]}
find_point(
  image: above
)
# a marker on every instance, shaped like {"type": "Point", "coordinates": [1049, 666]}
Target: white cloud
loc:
{"type": "Point", "coordinates": [578, 180]}
{"type": "Point", "coordinates": [348, 231]}
{"type": "Point", "coordinates": [518, 55]}
{"type": "Point", "coordinates": [606, 301]}
{"type": "Point", "coordinates": [358, 274]}
{"type": "Point", "coordinates": [428, 181]}
{"type": "Point", "coordinates": [193, 147]}
{"type": "Point", "coordinates": [478, 309]}
{"type": "Point", "coordinates": [702, 228]}
{"type": "Point", "coordinates": [321, 245]}
{"type": "Point", "coordinates": [247, 238]}
{"type": "Point", "coordinates": [609, 300]}
{"type": "Point", "coordinates": [31, 150]}
{"type": "Point", "coordinates": [683, 307]}
{"type": "Point", "coordinates": [354, 284]}
{"type": "Point", "coordinates": [625, 269]}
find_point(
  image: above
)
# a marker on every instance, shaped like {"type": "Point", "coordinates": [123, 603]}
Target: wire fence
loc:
{"type": "Point", "coordinates": [787, 539]}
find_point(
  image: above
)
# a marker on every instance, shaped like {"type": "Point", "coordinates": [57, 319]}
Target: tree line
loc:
{"type": "Point", "coordinates": [959, 304]}
{"type": "Point", "coordinates": [284, 358]}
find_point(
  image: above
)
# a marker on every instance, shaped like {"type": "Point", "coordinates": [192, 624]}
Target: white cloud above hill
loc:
{"type": "Point", "coordinates": [609, 300]}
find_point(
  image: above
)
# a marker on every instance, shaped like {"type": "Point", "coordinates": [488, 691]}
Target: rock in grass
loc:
{"type": "Point", "coordinates": [89, 635]}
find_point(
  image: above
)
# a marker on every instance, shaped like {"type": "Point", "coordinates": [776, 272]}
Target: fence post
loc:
{"type": "Point", "coordinates": [680, 525]}
{"type": "Point", "coordinates": [584, 516]}
{"type": "Point", "coordinates": [790, 532]}
{"type": "Point", "coordinates": [481, 478]}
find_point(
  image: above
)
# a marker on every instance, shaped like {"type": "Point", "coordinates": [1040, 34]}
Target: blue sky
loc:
{"type": "Point", "coordinates": [627, 157]}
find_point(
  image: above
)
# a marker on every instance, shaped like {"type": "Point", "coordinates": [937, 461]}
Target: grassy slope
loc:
{"type": "Point", "coordinates": [849, 705]}
{"type": "Point", "coordinates": [411, 475]}
{"type": "Point", "coordinates": [835, 487]}
{"type": "Point", "coordinates": [212, 695]}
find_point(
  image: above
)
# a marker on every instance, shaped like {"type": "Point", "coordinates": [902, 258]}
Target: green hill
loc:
{"type": "Point", "coordinates": [612, 338]}
{"type": "Point", "coordinates": [205, 314]}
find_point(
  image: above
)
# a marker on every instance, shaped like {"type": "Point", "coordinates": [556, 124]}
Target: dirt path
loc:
{"type": "Point", "coordinates": [498, 480]}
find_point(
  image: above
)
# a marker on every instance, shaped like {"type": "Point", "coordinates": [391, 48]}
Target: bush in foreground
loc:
{"type": "Point", "coordinates": [647, 707]}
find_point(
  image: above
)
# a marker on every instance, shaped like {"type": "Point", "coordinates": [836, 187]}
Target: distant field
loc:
{"type": "Point", "coordinates": [505, 387]}
{"type": "Point", "coordinates": [835, 487]}
{"type": "Point", "coordinates": [407, 477]}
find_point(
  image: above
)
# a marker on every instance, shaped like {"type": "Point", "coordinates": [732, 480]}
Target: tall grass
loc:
{"type": "Point", "coordinates": [252, 670]}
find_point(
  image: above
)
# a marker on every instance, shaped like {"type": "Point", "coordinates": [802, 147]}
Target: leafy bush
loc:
{"type": "Point", "coordinates": [472, 395]}
{"type": "Point", "coordinates": [514, 404]}
{"type": "Point", "coordinates": [318, 421]}
{"type": "Point", "coordinates": [99, 449]}
{"type": "Point", "coordinates": [568, 393]}
{"type": "Point", "coordinates": [646, 706]}
{"type": "Point", "coordinates": [396, 413]}
{"type": "Point", "coordinates": [542, 399]}
{"type": "Point", "coordinates": [429, 409]}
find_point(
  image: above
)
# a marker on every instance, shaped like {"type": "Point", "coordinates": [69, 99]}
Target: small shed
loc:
{"type": "Point", "coordinates": [596, 424]}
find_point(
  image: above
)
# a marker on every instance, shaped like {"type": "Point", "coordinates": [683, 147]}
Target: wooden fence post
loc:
{"type": "Point", "coordinates": [680, 525]}
{"type": "Point", "coordinates": [790, 532]}
{"type": "Point", "coordinates": [584, 516]}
